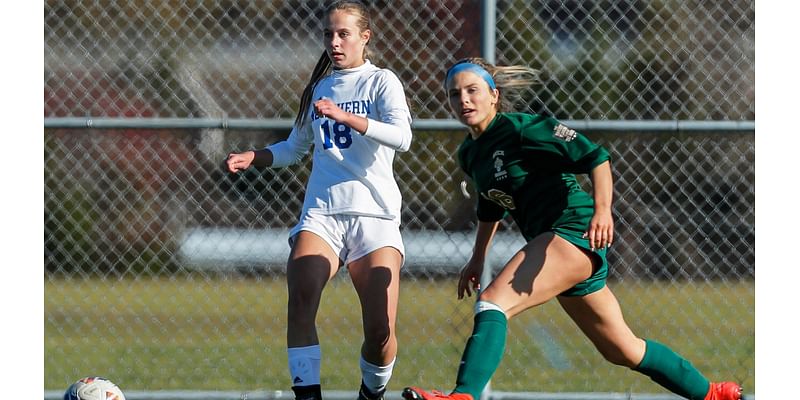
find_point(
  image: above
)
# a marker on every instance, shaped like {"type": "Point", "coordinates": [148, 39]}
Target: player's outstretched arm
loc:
{"type": "Point", "coordinates": [241, 161]}
{"type": "Point", "coordinates": [471, 273]}
{"type": "Point", "coordinates": [601, 227]}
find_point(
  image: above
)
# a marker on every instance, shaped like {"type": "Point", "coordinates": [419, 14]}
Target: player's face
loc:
{"type": "Point", "coordinates": [472, 101]}
{"type": "Point", "coordinates": [344, 41]}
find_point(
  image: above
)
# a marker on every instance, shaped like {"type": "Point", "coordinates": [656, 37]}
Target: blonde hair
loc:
{"type": "Point", "coordinates": [323, 67]}
{"type": "Point", "coordinates": [509, 79]}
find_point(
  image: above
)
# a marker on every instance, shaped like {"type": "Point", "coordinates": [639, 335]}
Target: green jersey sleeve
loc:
{"type": "Point", "coordinates": [558, 147]}
{"type": "Point", "coordinates": [489, 211]}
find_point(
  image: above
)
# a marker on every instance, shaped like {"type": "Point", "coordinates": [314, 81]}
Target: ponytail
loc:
{"type": "Point", "coordinates": [322, 68]}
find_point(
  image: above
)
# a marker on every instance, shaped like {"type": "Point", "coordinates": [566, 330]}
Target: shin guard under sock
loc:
{"type": "Point", "coordinates": [483, 352]}
{"type": "Point", "coordinates": [672, 371]}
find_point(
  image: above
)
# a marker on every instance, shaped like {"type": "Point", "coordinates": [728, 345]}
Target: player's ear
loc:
{"type": "Point", "coordinates": [366, 34]}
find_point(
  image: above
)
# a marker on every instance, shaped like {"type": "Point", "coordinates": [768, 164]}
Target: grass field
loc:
{"type": "Point", "coordinates": [229, 334]}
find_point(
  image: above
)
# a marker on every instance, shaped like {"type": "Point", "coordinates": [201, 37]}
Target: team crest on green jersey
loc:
{"type": "Point", "coordinates": [500, 198]}
{"type": "Point", "coordinates": [564, 133]}
{"type": "Point", "coordinates": [499, 173]}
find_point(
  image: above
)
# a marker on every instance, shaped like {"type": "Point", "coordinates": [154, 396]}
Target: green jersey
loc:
{"type": "Point", "coordinates": [525, 164]}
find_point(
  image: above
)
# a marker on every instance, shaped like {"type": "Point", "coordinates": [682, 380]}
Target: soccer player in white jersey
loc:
{"type": "Point", "coordinates": [356, 116]}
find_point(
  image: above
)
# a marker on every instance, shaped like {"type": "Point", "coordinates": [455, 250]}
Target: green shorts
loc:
{"type": "Point", "coordinates": [598, 278]}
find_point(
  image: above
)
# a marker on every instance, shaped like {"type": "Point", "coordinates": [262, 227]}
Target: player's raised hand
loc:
{"type": "Point", "coordinates": [326, 108]}
{"type": "Point", "coordinates": [239, 161]}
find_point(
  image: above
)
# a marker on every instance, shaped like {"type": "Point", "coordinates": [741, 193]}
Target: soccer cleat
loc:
{"type": "Point", "coordinates": [724, 391]}
{"type": "Point", "coordinates": [365, 394]}
{"type": "Point", "coordinates": [415, 393]}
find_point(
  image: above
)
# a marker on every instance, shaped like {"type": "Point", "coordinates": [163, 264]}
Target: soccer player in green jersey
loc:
{"type": "Point", "coordinates": [525, 165]}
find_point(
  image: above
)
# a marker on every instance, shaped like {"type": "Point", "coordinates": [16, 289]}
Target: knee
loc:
{"type": "Point", "coordinates": [493, 299]}
{"type": "Point", "coordinates": [300, 302]}
{"type": "Point", "coordinates": [376, 336]}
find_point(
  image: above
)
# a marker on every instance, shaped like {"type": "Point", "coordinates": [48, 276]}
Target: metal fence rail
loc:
{"type": "Point", "coordinates": [144, 98]}
{"type": "Point", "coordinates": [425, 124]}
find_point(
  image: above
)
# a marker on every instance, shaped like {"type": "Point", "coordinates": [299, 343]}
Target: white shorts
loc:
{"type": "Point", "coordinates": [351, 236]}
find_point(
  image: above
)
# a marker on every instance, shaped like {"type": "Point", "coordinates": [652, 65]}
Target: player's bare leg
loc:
{"type": "Point", "coordinates": [546, 266]}
{"type": "Point", "coordinates": [376, 278]}
{"type": "Point", "coordinates": [600, 318]}
{"type": "Point", "coordinates": [543, 268]}
{"type": "Point", "coordinates": [311, 265]}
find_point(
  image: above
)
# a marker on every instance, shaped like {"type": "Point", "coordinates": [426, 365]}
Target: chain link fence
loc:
{"type": "Point", "coordinates": [162, 272]}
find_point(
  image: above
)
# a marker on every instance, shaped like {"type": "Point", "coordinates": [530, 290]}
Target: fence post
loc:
{"type": "Point", "coordinates": [488, 45]}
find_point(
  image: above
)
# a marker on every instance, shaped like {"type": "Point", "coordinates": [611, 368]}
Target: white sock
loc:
{"type": "Point", "coordinates": [375, 377]}
{"type": "Point", "coordinates": [304, 365]}
{"type": "Point", "coordinates": [482, 305]}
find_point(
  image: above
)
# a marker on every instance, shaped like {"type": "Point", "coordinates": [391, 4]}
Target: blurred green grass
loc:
{"type": "Point", "coordinates": [196, 333]}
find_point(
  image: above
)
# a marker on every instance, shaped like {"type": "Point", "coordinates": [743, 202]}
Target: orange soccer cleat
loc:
{"type": "Point", "coordinates": [724, 391]}
{"type": "Point", "coordinates": [415, 393]}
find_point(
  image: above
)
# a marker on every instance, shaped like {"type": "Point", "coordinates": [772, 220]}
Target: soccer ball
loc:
{"type": "Point", "coordinates": [94, 388]}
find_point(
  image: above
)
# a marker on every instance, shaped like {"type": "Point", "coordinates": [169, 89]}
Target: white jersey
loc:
{"type": "Point", "coordinates": [352, 173]}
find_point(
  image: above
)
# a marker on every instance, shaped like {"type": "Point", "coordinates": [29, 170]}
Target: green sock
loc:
{"type": "Point", "coordinates": [483, 352]}
{"type": "Point", "coordinates": [672, 371]}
